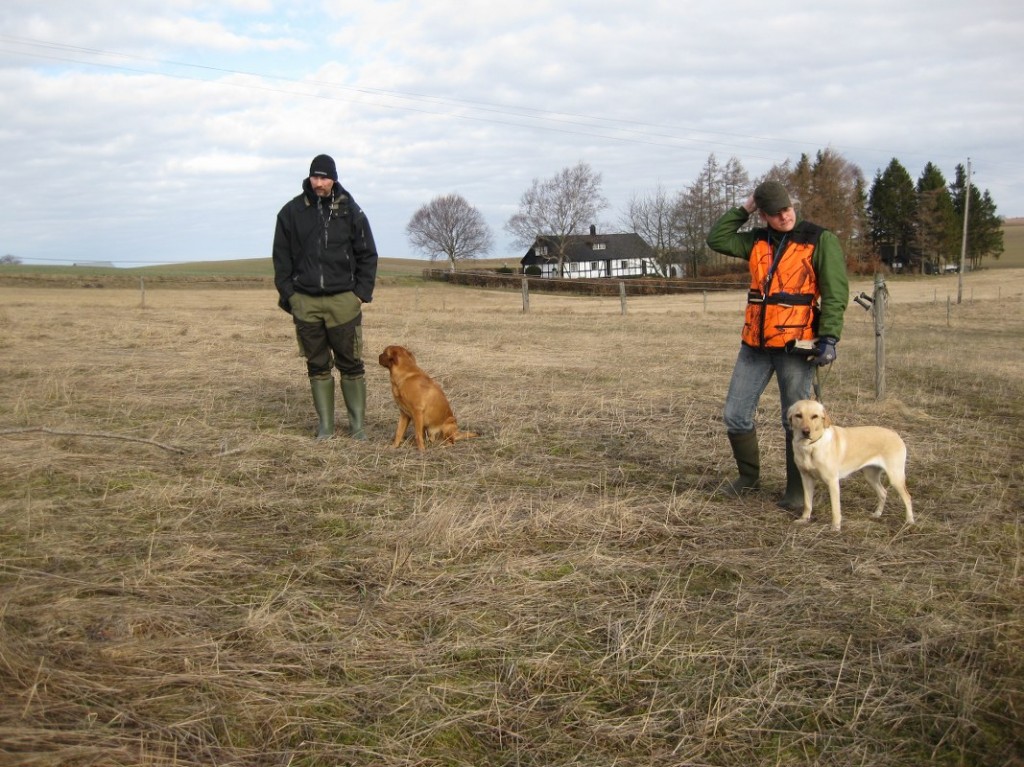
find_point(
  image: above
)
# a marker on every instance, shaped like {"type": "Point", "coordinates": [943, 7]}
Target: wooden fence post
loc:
{"type": "Point", "coordinates": [526, 296]}
{"type": "Point", "coordinates": [622, 296]}
{"type": "Point", "coordinates": [878, 305]}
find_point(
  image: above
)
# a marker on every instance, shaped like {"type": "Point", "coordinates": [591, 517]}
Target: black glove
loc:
{"type": "Point", "coordinates": [826, 351]}
{"type": "Point", "coordinates": [285, 304]}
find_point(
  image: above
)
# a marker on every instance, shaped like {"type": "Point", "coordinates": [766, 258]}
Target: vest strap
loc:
{"type": "Point", "coordinates": [783, 299]}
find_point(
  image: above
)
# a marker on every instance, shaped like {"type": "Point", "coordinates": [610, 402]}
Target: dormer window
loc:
{"type": "Point", "coordinates": [600, 245]}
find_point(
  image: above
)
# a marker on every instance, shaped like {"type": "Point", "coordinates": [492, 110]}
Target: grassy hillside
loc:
{"type": "Point", "coordinates": [1013, 243]}
{"type": "Point", "coordinates": [389, 269]}
{"type": "Point", "coordinates": [1013, 257]}
{"type": "Point", "coordinates": [261, 267]}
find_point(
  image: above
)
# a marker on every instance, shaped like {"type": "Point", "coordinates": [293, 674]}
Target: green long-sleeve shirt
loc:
{"type": "Point", "coordinates": [828, 263]}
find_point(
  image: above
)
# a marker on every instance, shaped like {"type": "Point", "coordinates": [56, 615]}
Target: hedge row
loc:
{"type": "Point", "coordinates": [606, 286]}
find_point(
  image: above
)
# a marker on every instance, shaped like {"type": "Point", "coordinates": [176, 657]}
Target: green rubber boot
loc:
{"type": "Point", "coordinates": [354, 392]}
{"type": "Point", "coordinates": [748, 461]}
{"type": "Point", "coordinates": [793, 499]}
{"type": "Point", "coordinates": [323, 401]}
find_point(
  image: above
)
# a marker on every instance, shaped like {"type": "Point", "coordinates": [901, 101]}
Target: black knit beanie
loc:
{"type": "Point", "coordinates": [323, 165]}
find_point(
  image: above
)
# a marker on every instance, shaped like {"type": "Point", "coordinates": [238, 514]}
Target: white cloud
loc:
{"type": "Point", "coordinates": [194, 158]}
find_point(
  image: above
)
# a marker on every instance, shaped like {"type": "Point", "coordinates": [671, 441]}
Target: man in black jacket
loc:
{"type": "Point", "coordinates": [325, 268]}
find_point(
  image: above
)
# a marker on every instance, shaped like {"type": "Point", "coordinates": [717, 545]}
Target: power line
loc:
{"type": "Point", "coordinates": [591, 126]}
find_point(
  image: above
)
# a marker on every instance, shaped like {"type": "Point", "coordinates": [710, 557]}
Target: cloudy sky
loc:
{"type": "Point", "coordinates": [154, 132]}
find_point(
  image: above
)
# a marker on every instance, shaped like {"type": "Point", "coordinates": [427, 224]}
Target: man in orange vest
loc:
{"type": "Point", "coordinates": [794, 318]}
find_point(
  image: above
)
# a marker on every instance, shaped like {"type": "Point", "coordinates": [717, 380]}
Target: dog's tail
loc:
{"type": "Point", "coordinates": [450, 433]}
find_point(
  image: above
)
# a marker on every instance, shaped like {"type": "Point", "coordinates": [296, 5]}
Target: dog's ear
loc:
{"type": "Point", "coordinates": [825, 418]}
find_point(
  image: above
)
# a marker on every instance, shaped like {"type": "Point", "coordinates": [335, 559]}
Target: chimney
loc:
{"type": "Point", "coordinates": [593, 230]}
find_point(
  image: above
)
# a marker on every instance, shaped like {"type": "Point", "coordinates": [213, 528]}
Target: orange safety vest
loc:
{"type": "Point", "coordinates": [782, 304]}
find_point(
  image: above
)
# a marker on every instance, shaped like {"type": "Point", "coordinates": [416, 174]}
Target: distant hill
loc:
{"type": "Point", "coordinates": [260, 269]}
{"type": "Point", "coordinates": [1013, 244]}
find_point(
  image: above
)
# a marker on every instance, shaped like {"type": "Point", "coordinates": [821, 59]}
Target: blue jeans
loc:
{"type": "Point", "coordinates": [754, 369]}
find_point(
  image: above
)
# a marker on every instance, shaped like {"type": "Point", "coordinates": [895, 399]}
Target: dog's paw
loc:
{"type": "Point", "coordinates": [802, 521]}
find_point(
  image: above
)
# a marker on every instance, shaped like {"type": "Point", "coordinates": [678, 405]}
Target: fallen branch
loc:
{"type": "Point", "coordinates": [94, 434]}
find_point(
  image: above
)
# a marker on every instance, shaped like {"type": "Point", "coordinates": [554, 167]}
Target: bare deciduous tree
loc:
{"type": "Point", "coordinates": [698, 206]}
{"type": "Point", "coordinates": [692, 220]}
{"type": "Point", "coordinates": [828, 190]}
{"type": "Point", "coordinates": [9, 259]}
{"type": "Point", "coordinates": [449, 227]}
{"type": "Point", "coordinates": [557, 208]}
{"type": "Point", "coordinates": [651, 216]}
{"type": "Point", "coordinates": [831, 192]}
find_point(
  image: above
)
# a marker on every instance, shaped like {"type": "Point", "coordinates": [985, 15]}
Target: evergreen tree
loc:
{"type": "Point", "coordinates": [800, 184]}
{"type": "Point", "coordinates": [984, 226]}
{"type": "Point", "coordinates": [892, 209]}
{"type": "Point", "coordinates": [936, 228]}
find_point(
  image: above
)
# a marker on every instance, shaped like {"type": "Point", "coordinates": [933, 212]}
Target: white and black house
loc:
{"type": "Point", "coordinates": [592, 255]}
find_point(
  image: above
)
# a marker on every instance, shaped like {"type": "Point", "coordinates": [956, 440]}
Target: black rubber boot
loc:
{"type": "Point", "coordinates": [793, 499]}
{"type": "Point", "coordinates": [748, 461]}
{"type": "Point", "coordinates": [354, 392]}
{"type": "Point", "coordinates": [323, 401]}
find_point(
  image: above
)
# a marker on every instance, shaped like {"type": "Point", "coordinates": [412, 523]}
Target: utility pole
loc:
{"type": "Point", "coordinates": [963, 243]}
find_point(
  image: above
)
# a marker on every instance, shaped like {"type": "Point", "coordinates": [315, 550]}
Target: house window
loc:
{"type": "Point", "coordinates": [541, 250]}
{"type": "Point", "coordinates": [624, 264]}
{"type": "Point", "coordinates": [600, 245]}
{"type": "Point", "coordinates": [593, 266]}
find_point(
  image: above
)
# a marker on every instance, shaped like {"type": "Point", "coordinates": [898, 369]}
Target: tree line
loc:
{"type": "Point", "coordinates": [893, 222]}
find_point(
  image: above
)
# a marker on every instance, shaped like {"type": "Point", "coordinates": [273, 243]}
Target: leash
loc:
{"type": "Point", "coordinates": [816, 384]}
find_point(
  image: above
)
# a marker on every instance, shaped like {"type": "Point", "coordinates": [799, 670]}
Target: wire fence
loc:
{"type": "Point", "coordinates": [588, 286]}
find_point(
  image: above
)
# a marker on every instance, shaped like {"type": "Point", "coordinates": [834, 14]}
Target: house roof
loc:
{"type": "Point", "coordinates": [581, 248]}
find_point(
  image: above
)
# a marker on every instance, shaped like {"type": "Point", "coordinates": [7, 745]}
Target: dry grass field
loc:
{"type": "Point", "coordinates": [186, 578]}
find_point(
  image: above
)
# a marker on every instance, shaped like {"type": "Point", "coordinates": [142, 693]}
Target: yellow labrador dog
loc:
{"type": "Point", "coordinates": [830, 453]}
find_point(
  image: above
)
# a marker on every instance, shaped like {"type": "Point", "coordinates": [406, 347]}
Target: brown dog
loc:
{"type": "Point", "coordinates": [420, 401]}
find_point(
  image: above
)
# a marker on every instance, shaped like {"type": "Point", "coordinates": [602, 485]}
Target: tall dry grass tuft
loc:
{"type": "Point", "coordinates": [186, 578]}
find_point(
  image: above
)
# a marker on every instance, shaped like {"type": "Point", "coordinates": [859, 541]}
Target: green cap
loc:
{"type": "Point", "coordinates": [771, 197]}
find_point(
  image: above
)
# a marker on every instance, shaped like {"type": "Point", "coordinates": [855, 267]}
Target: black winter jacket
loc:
{"type": "Point", "coordinates": [323, 246]}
